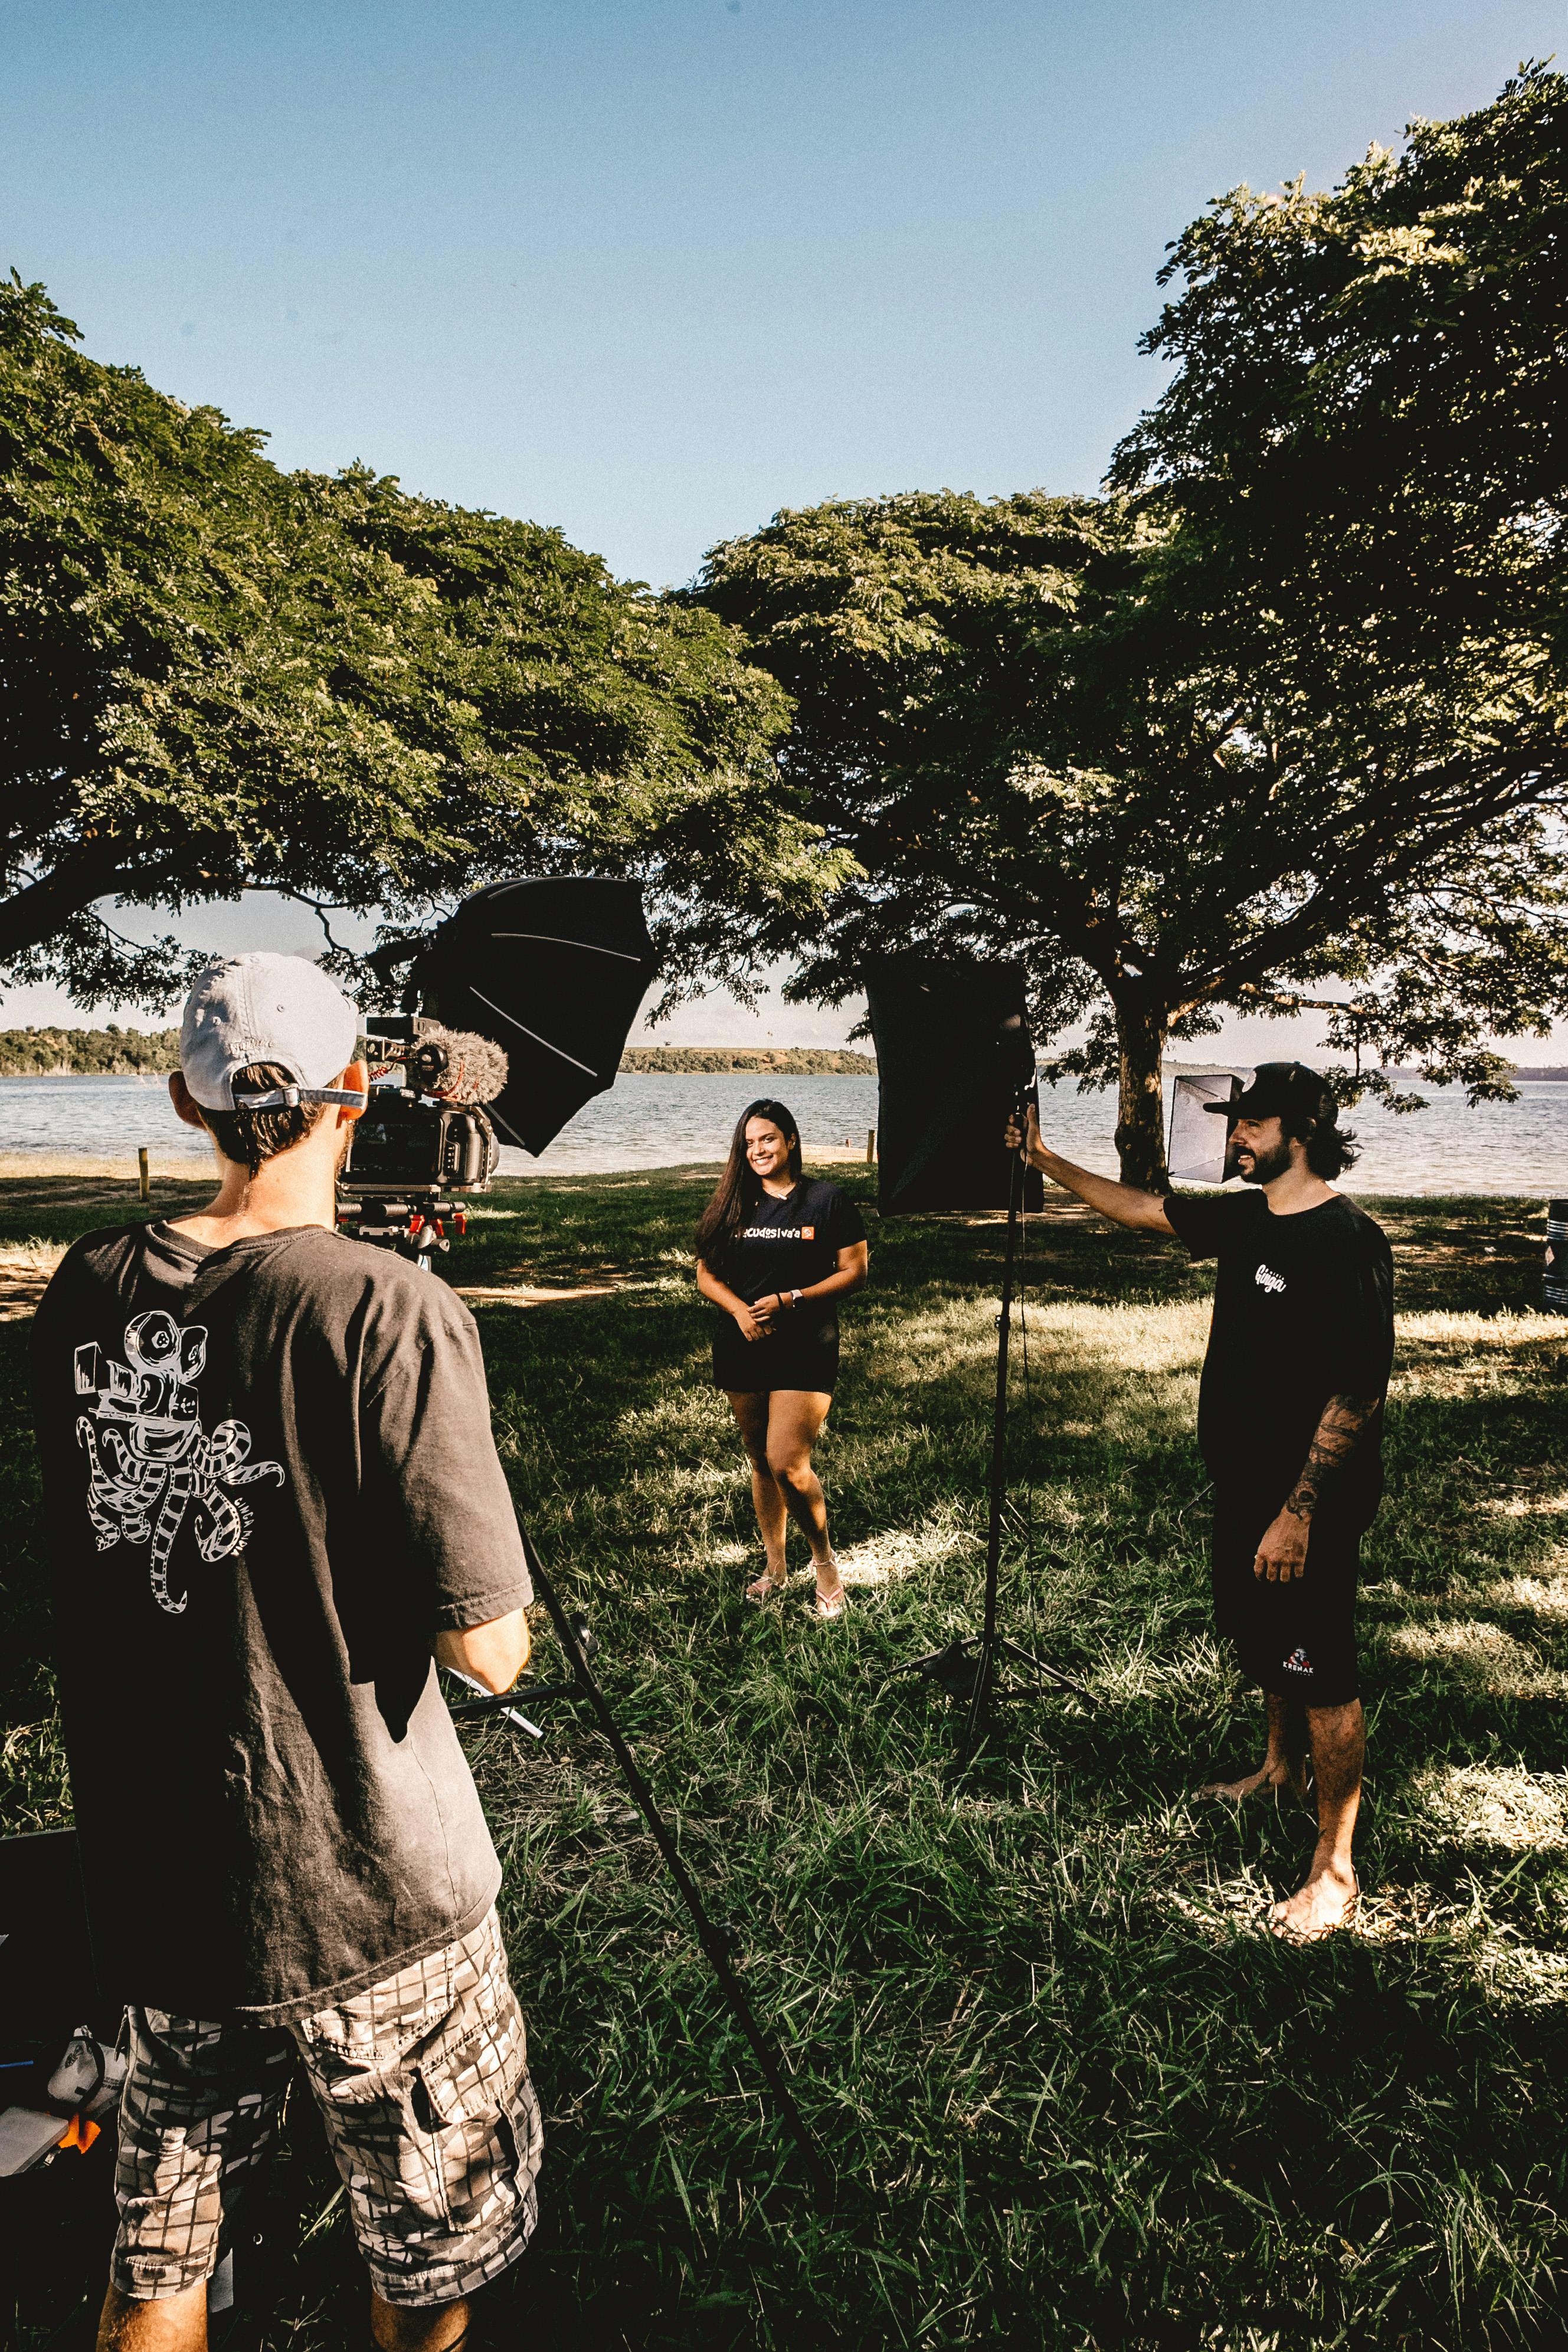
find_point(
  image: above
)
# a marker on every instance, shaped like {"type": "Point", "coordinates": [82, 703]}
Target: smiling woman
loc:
{"type": "Point", "coordinates": [776, 1250]}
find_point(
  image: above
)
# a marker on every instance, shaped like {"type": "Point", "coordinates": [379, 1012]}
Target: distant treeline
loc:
{"type": "Point", "coordinates": [115, 1053]}
{"type": "Point", "coordinates": [1527, 1071]}
{"type": "Point", "coordinates": [108, 1053]}
{"type": "Point", "coordinates": [783, 1062]}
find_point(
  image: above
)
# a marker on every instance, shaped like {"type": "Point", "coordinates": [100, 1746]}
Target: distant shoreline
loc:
{"type": "Point", "coordinates": [134, 1053]}
{"type": "Point", "coordinates": [114, 1053]}
{"type": "Point", "coordinates": [764, 1061]}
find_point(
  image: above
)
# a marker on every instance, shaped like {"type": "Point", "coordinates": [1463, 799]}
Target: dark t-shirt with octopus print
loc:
{"type": "Point", "coordinates": [269, 1480]}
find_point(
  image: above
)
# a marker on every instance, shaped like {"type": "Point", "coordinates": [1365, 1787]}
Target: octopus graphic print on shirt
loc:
{"type": "Point", "coordinates": [270, 1485]}
{"type": "Point", "coordinates": [150, 1457]}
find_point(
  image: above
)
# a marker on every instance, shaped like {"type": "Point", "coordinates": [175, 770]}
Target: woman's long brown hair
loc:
{"type": "Point", "coordinates": [740, 1188]}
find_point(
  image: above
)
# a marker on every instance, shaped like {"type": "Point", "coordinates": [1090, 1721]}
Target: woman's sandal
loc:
{"type": "Point", "coordinates": [766, 1588]}
{"type": "Point", "coordinates": [830, 1604]}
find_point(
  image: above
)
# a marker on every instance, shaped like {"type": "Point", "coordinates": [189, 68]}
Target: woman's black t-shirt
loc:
{"type": "Point", "coordinates": [790, 1244]}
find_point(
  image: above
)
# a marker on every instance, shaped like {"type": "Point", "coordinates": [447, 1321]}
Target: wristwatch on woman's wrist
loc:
{"type": "Point", "coordinates": [794, 1298]}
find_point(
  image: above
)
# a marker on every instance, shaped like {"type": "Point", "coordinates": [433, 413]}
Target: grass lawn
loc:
{"type": "Point", "coordinates": [1074, 2094]}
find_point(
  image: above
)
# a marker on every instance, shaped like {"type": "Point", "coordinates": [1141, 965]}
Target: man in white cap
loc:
{"type": "Point", "coordinates": [273, 1496]}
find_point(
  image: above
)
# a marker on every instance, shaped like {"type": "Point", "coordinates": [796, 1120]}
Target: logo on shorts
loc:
{"type": "Point", "coordinates": [1298, 1662]}
{"type": "Point", "coordinates": [1267, 1279]}
{"type": "Point", "coordinates": [807, 1233]}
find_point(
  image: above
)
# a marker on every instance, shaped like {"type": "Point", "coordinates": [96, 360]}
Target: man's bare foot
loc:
{"type": "Point", "coordinates": [771, 1581]}
{"type": "Point", "coordinates": [1268, 1780]}
{"type": "Point", "coordinates": [1326, 1902]}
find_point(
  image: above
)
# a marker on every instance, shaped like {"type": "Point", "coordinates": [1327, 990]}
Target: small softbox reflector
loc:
{"type": "Point", "coordinates": [952, 1058]}
{"type": "Point", "coordinates": [554, 972]}
{"type": "Point", "coordinates": [1199, 1144]}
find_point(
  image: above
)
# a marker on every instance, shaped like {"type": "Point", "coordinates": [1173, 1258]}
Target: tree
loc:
{"type": "Point", "coordinates": [214, 675]}
{"type": "Point", "coordinates": [1224, 737]}
{"type": "Point", "coordinates": [1367, 408]}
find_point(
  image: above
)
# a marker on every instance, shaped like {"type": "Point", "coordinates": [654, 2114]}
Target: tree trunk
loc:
{"type": "Point", "coordinates": [1141, 1122]}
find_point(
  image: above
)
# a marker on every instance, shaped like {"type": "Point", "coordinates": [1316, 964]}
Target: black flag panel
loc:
{"type": "Point", "coordinates": [555, 972]}
{"type": "Point", "coordinates": [953, 1054]}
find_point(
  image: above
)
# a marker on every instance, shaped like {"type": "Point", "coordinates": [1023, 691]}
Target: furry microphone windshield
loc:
{"type": "Point", "coordinates": [457, 1064]}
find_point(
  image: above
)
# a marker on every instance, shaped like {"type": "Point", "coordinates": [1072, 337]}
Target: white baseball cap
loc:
{"type": "Point", "coordinates": [268, 1008]}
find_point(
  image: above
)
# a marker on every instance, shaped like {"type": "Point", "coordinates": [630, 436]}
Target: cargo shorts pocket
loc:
{"type": "Point", "coordinates": [428, 2128]}
{"type": "Point", "coordinates": [469, 2092]}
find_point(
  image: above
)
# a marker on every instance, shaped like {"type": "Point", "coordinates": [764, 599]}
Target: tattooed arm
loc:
{"type": "Point", "coordinates": [1282, 1552]}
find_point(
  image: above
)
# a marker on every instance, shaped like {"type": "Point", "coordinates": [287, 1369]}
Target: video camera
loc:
{"type": "Point", "coordinates": [425, 1134]}
{"type": "Point", "coordinates": [557, 967]}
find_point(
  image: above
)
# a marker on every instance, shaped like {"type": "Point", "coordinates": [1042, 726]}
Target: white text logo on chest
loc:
{"type": "Point", "coordinates": [1267, 1279]}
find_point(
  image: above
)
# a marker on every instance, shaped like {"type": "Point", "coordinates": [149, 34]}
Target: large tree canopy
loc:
{"type": "Point", "coordinates": [1368, 407]}
{"type": "Point", "coordinates": [1225, 737]}
{"type": "Point", "coordinates": [215, 676]}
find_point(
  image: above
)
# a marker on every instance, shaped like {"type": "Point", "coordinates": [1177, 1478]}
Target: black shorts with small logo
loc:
{"type": "Point", "coordinates": [795, 1355]}
{"type": "Point", "coordinates": [1296, 1640]}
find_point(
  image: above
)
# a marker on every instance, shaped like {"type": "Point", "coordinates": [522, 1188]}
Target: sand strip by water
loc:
{"type": "Point", "coordinates": [195, 1169]}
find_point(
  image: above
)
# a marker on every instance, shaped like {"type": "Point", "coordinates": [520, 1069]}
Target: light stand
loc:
{"type": "Point", "coordinates": [967, 1668]}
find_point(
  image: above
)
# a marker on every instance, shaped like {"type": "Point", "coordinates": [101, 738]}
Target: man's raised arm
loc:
{"type": "Point", "coordinates": [1141, 1211]}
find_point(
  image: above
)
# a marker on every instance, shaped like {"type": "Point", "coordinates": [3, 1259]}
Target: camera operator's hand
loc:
{"type": "Point", "coordinates": [755, 1322]}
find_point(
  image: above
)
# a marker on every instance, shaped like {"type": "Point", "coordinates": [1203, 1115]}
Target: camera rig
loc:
{"type": "Point", "coordinates": [424, 1136]}
{"type": "Point", "coordinates": [557, 966]}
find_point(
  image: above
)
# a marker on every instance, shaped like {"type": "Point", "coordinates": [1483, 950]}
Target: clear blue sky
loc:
{"type": "Point", "coordinates": [651, 270]}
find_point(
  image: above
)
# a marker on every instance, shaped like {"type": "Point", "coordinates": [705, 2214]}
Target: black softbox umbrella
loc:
{"type": "Point", "coordinates": [554, 972]}
{"type": "Point", "coordinates": [953, 1056]}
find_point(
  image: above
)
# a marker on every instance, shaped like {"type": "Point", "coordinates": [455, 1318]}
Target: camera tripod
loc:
{"type": "Point", "coordinates": [967, 1668]}
{"type": "Point", "coordinates": [718, 1941]}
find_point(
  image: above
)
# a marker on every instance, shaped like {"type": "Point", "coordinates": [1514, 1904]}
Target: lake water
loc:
{"type": "Point", "coordinates": [658, 1121]}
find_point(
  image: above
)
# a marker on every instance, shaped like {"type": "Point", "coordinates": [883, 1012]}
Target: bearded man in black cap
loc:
{"type": "Point", "coordinates": [1289, 1419]}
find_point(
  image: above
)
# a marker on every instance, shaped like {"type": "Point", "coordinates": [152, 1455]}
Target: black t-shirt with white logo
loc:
{"type": "Point", "coordinates": [1303, 1310]}
{"type": "Point", "coordinates": [269, 1480]}
{"type": "Point", "coordinates": [790, 1244]}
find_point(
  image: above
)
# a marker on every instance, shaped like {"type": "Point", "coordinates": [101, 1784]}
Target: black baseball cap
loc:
{"type": "Point", "coordinates": [1287, 1091]}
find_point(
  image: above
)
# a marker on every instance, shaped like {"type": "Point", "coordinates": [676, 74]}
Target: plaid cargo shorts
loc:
{"type": "Point", "coordinates": [423, 2085]}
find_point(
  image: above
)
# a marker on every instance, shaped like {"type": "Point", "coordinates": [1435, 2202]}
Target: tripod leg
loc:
{"type": "Point", "coordinates": [1007, 1649]}
{"type": "Point", "coordinates": [924, 1665]}
{"type": "Point", "coordinates": [709, 1936]}
{"type": "Point", "coordinates": [984, 1671]}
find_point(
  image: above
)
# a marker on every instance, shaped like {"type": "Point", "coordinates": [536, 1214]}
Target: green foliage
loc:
{"type": "Point", "coordinates": [930, 644]}
{"type": "Point", "coordinates": [96, 1052]}
{"type": "Point", "coordinates": [1288, 706]}
{"type": "Point", "coordinates": [215, 676]}
{"type": "Point", "coordinates": [1075, 2096]}
{"type": "Point", "coordinates": [1378, 373]}
{"type": "Point", "coordinates": [1361, 462]}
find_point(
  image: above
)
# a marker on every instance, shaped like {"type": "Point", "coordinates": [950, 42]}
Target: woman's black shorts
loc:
{"type": "Point", "coordinates": [787, 1359]}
